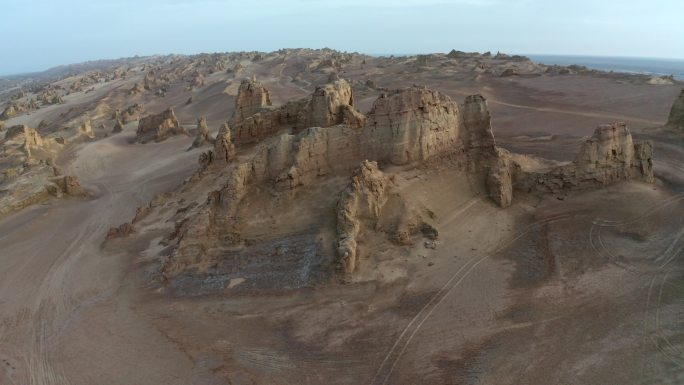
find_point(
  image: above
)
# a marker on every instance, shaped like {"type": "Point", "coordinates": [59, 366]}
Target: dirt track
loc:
{"type": "Point", "coordinates": [52, 266]}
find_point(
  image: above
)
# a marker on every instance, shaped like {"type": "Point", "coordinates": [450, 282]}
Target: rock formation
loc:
{"type": "Point", "coordinates": [416, 123]}
{"type": "Point", "coordinates": [67, 185]}
{"type": "Point", "coordinates": [120, 231]}
{"type": "Point", "coordinates": [251, 98]}
{"type": "Point", "coordinates": [27, 173]}
{"type": "Point", "coordinates": [329, 105]}
{"type": "Point", "coordinates": [360, 206]}
{"type": "Point", "coordinates": [224, 150]}
{"type": "Point", "coordinates": [609, 156]}
{"type": "Point", "coordinates": [500, 179]}
{"type": "Point", "coordinates": [18, 107]}
{"type": "Point", "coordinates": [30, 141]}
{"type": "Point", "coordinates": [118, 126]}
{"type": "Point", "coordinates": [202, 133]}
{"type": "Point", "coordinates": [150, 80]}
{"type": "Point", "coordinates": [137, 88]}
{"type": "Point", "coordinates": [198, 80]}
{"type": "Point", "coordinates": [50, 96]}
{"type": "Point", "coordinates": [87, 129]}
{"type": "Point", "coordinates": [676, 118]}
{"type": "Point", "coordinates": [159, 127]}
{"type": "Point", "coordinates": [413, 125]}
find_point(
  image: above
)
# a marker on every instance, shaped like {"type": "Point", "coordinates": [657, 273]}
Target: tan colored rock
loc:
{"type": "Point", "coordinates": [676, 118]}
{"type": "Point", "coordinates": [17, 107]}
{"type": "Point", "coordinates": [68, 185]}
{"type": "Point", "coordinates": [609, 156]}
{"type": "Point", "coordinates": [359, 207]}
{"type": "Point", "coordinates": [500, 179]}
{"type": "Point", "coordinates": [121, 231]}
{"type": "Point", "coordinates": [87, 129]}
{"type": "Point", "coordinates": [252, 97]}
{"type": "Point", "coordinates": [416, 124]}
{"type": "Point", "coordinates": [202, 133]}
{"type": "Point", "coordinates": [159, 127]}
{"type": "Point", "coordinates": [283, 162]}
{"type": "Point", "coordinates": [327, 105]}
{"type": "Point", "coordinates": [28, 138]}
{"type": "Point", "coordinates": [224, 149]}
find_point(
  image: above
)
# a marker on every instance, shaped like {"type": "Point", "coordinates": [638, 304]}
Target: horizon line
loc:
{"type": "Point", "coordinates": [377, 54]}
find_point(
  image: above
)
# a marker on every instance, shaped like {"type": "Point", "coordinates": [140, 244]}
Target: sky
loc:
{"type": "Point", "coordinates": [39, 34]}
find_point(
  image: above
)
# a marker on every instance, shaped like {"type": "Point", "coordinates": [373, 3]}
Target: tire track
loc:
{"type": "Point", "coordinates": [389, 363]}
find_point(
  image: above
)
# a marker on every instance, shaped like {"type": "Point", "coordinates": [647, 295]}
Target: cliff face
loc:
{"type": "Point", "coordinates": [412, 125]}
{"type": "Point", "coordinates": [676, 118]}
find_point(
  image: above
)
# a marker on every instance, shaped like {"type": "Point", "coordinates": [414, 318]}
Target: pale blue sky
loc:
{"type": "Point", "coordinates": [38, 34]}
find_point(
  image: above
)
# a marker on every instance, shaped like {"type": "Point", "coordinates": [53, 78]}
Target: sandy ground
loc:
{"type": "Point", "coordinates": [582, 291]}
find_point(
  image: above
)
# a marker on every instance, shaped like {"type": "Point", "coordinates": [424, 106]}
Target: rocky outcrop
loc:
{"type": "Point", "coordinates": [676, 118]}
{"type": "Point", "coordinates": [252, 97]}
{"type": "Point", "coordinates": [609, 156]}
{"type": "Point", "coordinates": [197, 80]}
{"type": "Point", "coordinates": [150, 80]}
{"type": "Point", "coordinates": [118, 126]}
{"type": "Point", "coordinates": [159, 127]}
{"type": "Point", "coordinates": [18, 107]}
{"type": "Point", "coordinates": [50, 96]}
{"type": "Point", "coordinates": [500, 179]}
{"type": "Point", "coordinates": [66, 185]}
{"type": "Point", "coordinates": [202, 136]}
{"type": "Point", "coordinates": [120, 231]}
{"type": "Point", "coordinates": [27, 174]}
{"type": "Point", "coordinates": [360, 206]}
{"type": "Point", "coordinates": [224, 149]}
{"type": "Point", "coordinates": [25, 140]}
{"type": "Point", "coordinates": [410, 126]}
{"type": "Point", "coordinates": [329, 105]}
{"type": "Point", "coordinates": [137, 88]}
{"type": "Point", "coordinates": [86, 128]}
